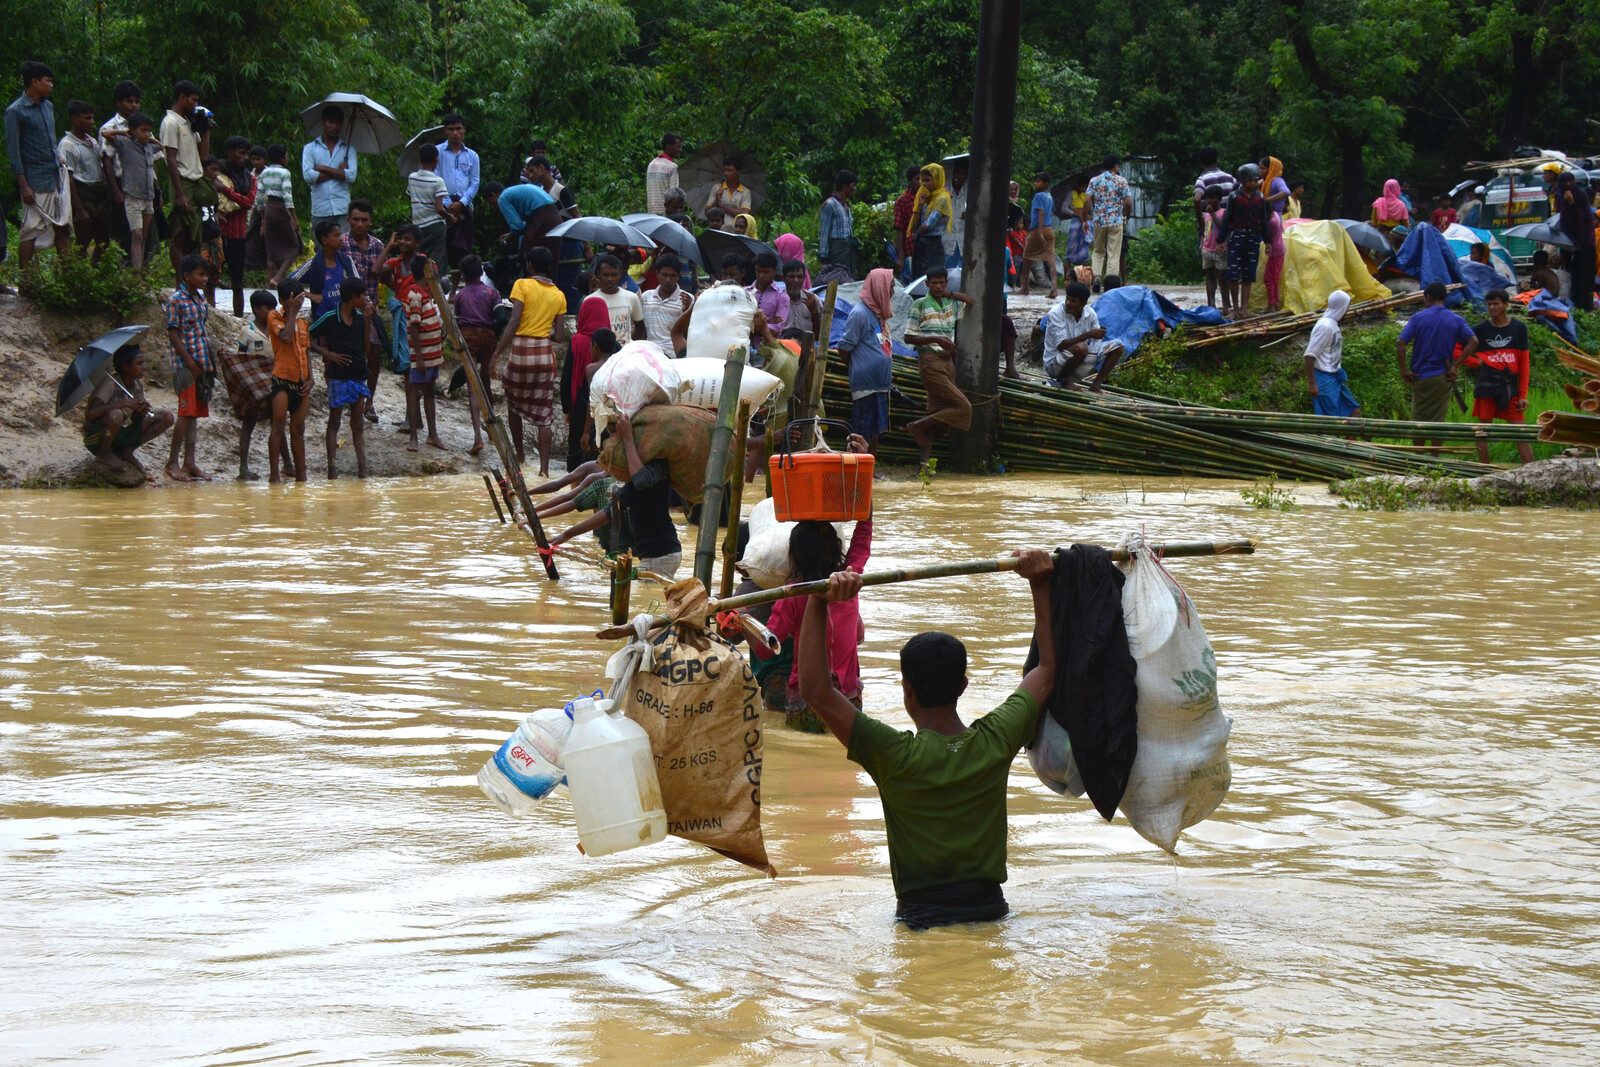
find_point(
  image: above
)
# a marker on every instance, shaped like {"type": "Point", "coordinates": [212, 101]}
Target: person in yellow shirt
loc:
{"type": "Point", "coordinates": [529, 377]}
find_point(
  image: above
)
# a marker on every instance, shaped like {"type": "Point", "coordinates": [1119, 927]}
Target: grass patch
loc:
{"type": "Point", "coordinates": [1267, 495]}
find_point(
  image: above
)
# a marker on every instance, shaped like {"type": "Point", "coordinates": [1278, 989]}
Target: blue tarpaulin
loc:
{"type": "Point", "coordinates": [1428, 257]}
{"type": "Point", "coordinates": [1130, 312]}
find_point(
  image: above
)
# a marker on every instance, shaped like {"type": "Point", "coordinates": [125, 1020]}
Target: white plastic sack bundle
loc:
{"type": "Point", "coordinates": [633, 378]}
{"type": "Point", "coordinates": [766, 555]}
{"type": "Point", "coordinates": [702, 380]}
{"type": "Point", "coordinates": [723, 317]}
{"type": "Point", "coordinates": [1181, 772]}
{"type": "Point", "coordinates": [1051, 757]}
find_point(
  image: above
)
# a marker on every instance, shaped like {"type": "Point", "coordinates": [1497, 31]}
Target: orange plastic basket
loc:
{"type": "Point", "coordinates": [832, 486]}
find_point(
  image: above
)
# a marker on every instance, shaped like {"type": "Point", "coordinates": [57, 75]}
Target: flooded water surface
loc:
{"type": "Point", "coordinates": [238, 738]}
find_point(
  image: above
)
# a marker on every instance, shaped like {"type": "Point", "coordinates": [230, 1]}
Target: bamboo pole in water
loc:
{"type": "Point", "coordinates": [529, 519]}
{"type": "Point", "coordinates": [488, 483]}
{"type": "Point", "coordinates": [1168, 550]}
{"type": "Point", "coordinates": [819, 365]}
{"type": "Point", "coordinates": [705, 553]}
{"type": "Point", "coordinates": [730, 542]}
{"type": "Point", "coordinates": [621, 587]}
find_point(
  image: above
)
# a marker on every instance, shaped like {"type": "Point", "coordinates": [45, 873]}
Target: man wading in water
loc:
{"type": "Point", "coordinates": [944, 786]}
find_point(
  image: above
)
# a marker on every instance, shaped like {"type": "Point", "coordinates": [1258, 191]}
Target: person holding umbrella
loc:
{"type": "Point", "coordinates": [119, 419]}
{"type": "Point", "coordinates": [328, 165]}
{"type": "Point", "coordinates": [731, 195]}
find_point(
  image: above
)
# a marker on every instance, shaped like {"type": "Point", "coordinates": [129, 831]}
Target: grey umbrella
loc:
{"type": "Point", "coordinates": [1366, 235]}
{"type": "Point", "coordinates": [408, 160]}
{"type": "Point", "coordinates": [601, 231]}
{"type": "Point", "coordinates": [369, 127]}
{"type": "Point", "coordinates": [1543, 232]}
{"type": "Point", "coordinates": [663, 231]}
{"type": "Point", "coordinates": [701, 171]}
{"type": "Point", "coordinates": [91, 365]}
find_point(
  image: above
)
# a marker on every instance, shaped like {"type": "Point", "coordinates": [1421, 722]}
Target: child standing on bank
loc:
{"type": "Point", "coordinates": [291, 379]}
{"type": "Point", "coordinates": [137, 152]}
{"type": "Point", "coordinates": [339, 336]}
{"type": "Point", "coordinates": [406, 274]}
{"type": "Point", "coordinates": [474, 302]}
{"type": "Point", "coordinates": [191, 360]}
{"type": "Point", "coordinates": [248, 376]}
{"type": "Point", "coordinates": [1213, 253]}
{"type": "Point", "coordinates": [1244, 226]}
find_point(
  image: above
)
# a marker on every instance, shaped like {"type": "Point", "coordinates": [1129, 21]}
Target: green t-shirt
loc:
{"type": "Point", "coordinates": [944, 798]}
{"type": "Point", "coordinates": [933, 317]}
{"type": "Point", "coordinates": [594, 497]}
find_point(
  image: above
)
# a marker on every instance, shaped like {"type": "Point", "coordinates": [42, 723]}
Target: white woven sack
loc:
{"type": "Point", "coordinates": [1181, 772]}
{"type": "Point", "coordinates": [723, 317]}
{"type": "Point", "coordinates": [639, 375]}
{"type": "Point", "coordinates": [702, 382]}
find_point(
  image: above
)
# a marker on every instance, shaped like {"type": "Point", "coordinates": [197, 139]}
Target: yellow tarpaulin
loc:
{"type": "Point", "coordinates": [1319, 257]}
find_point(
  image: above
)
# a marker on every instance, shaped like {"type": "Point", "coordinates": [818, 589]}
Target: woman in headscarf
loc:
{"type": "Point", "coordinates": [1273, 188]}
{"type": "Point", "coordinates": [746, 225]}
{"type": "Point", "coordinates": [790, 247]}
{"type": "Point", "coordinates": [1325, 376]}
{"type": "Point", "coordinates": [932, 221]}
{"type": "Point", "coordinates": [867, 350]}
{"type": "Point", "coordinates": [1390, 214]}
{"type": "Point", "coordinates": [593, 314]}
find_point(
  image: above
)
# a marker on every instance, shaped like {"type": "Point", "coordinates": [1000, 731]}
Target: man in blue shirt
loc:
{"type": "Point", "coordinates": [31, 148]}
{"type": "Point", "coordinates": [458, 166]}
{"type": "Point", "coordinates": [328, 165]}
{"type": "Point", "coordinates": [1433, 334]}
{"type": "Point", "coordinates": [530, 212]}
{"type": "Point", "coordinates": [836, 242]}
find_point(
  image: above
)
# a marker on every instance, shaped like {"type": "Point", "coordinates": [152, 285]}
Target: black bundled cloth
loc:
{"type": "Point", "coordinates": [1095, 697]}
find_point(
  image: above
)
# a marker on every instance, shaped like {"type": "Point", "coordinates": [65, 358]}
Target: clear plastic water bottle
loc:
{"type": "Point", "coordinates": [528, 766]}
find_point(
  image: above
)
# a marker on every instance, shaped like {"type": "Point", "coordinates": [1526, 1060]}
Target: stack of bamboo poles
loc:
{"type": "Point", "coordinates": [1045, 428]}
{"type": "Point", "coordinates": [1585, 397]}
{"type": "Point", "coordinates": [1282, 324]}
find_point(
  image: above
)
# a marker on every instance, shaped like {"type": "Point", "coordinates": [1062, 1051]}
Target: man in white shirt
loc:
{"type": "Point", "coordinates": [1074, 342]}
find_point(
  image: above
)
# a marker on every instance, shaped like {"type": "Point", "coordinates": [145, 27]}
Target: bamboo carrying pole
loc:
{"type": "Point", "coordinates": [497, 431]}
{"type": "Point", "coordinates": [980, 566]}
{"type": "Point", "coordinates": [705, 552]}
{"type": "Point", "coordinates": [730, 542]}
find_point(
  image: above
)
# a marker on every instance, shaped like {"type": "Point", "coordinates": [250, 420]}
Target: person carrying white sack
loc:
{"type": "Point", "coordinates": [1325, 376]}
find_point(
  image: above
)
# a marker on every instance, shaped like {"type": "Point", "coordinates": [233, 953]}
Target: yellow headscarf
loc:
{"type": "Point", "coordinates": [749, 226]}
{"type": "Point", "coordinates": [936, 199]}
{"type": "Point", "coordinates": [1274, 171]}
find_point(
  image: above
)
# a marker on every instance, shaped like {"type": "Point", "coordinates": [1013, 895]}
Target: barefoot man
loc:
{"type": "Point", "coordinates": [120, 419]}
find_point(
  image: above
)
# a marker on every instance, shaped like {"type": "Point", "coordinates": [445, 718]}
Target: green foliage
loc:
{"type": "Point", "coordinates": [1394, 493]}
{"type": "Point", "coordinates": [74, 284]}
{"type": "Point", "coordinates": [1248, 378]}
{"type": "Point", "coordinates": [1374, 376]}
{"type": "Point", "coordinates": [1167, 253]}
{"type": "Point", "coordinates": [1266, 495]}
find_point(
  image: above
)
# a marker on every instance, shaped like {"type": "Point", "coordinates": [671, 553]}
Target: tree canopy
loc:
{"type": "Point", "coordinates": [1346, 92]}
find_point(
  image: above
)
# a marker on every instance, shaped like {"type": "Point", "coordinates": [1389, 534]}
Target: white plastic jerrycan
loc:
{"type": "Point", "coordinates": [611, 775]}
{"type": "Point", "coordinates": [528, 766]}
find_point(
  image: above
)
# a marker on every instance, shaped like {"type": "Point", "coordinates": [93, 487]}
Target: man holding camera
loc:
{"type": "Point", "coordinates": [186, 141]}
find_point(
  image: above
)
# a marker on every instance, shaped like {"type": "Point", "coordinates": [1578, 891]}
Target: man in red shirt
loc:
{"type": "Point", "coordinates": [904, 205]}
{"type": "Point", "coordinates": [1444, 215]}
{"type": "Point", "coordinates": [1502, 360]}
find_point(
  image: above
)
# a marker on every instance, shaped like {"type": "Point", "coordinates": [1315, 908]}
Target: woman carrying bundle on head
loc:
{"type": "Point", "coordinates": [815, 553]}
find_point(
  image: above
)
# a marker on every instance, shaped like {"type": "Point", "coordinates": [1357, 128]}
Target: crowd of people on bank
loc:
{"type": "Point", "coordinates": [538, 313]}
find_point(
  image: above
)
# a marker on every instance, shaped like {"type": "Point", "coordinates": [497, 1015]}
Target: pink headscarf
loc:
{"type": "Point", "coordinates": [878, 293]}
{"type": "Point", "coordinates": [1389, 207]}
{"type": "Point", "coordinates": [791, 247]}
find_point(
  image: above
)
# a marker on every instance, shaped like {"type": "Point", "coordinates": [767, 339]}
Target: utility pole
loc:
{"type": "Point", "coordinates": [994, 116]}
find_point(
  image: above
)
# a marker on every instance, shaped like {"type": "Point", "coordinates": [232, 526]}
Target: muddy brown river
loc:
{"type": "Point", "coordinates": [238, 737]}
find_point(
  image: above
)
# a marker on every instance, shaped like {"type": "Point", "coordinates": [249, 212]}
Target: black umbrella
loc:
{"type": "Point", "coordinates": [411, 155]}
{"type": "Point", "coordinates": [90, 367]}
{"type": "Point", "coordinates": [663, 231]}
{"type": "Point", "coordinates": [714, 244]}
{"type": "Point", "coordinates": [599, 230]}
